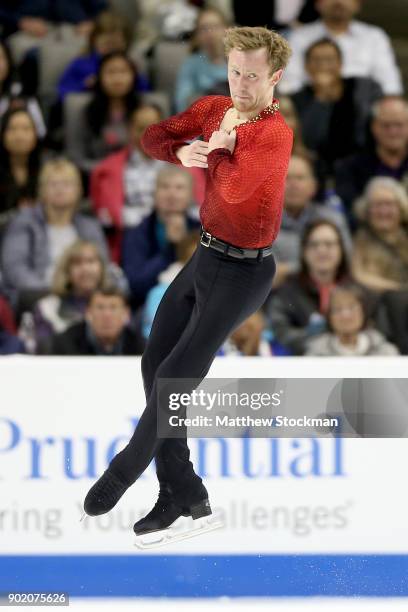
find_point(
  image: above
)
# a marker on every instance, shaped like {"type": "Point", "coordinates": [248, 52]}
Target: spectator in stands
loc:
{"type": "Point", "coordinates": [206, 67]}
{"type": "Point", "coordinates": [288, 110]}
{"type": "Point", "coordinates": [388, 156]}
{"type": "Point", "coordinates": [19, 163]}
{"type": "Point", "coordinates": [47, 25]}
{"type": "Point", "coordinates": [392, 318]}
{"type": "Point", "coordinates": [348, 331]}
{"type": "Point", "coordinates": [104, 120]}
{"type": "Point", "coordinates": [301, 208]}
{"type": "Point", "coordinates": [276, 15]}
{"type": "Point", "coordinates": [37, 236]}
{"type": "Point", "coordinates": [251, 339]}
{"type": "Point", "coordinates": [122, 185]}
{"type": "Point", "coordinates": [105, 331]}
{"type": "Point", "coordinates": [36, 17]}
{"type": "Point", "coordinates": [80, 271]}
{"type": "Point", "coordinates": [297, 310]}
{"type": "Point", "coordinates": [111, 33]}
{"type": "Point", "coordinates": [149, 248]}
{"type": "Point", "coordinates": [333, 110]}
{"type": "Point", "coordinates": [164, 20]}
{"type": "Point", "coordinates": [184, 250]}
{"type": "Point", "coordinates": [366, 49]}
{"type": "Point", "coordinates": [11, 91]}
{"type": "Point", "coordinates": [9, 342]}
{"type": "Point", "coordinates": [380, 254]}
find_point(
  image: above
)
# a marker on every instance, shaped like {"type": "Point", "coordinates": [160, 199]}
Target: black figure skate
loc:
{"type": "Point", "coordinates": [163, 516]}
{"type": "Point", "coordinates": [104, 494]}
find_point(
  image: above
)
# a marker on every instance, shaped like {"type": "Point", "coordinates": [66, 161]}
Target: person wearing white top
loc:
{"type": "Point", "coordinates": [366, 49]}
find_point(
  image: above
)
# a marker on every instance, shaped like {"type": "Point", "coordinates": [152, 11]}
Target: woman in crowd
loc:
{"type": "Point", "coordinates": [110, 33]}
{"type": "Point", "coordinates": [348, 331]}
{"type": "Point", "coordinates": [103, 122]}
{"type": "Point", "coordinates": [205, 70]}
{"type": "Point", "coordinates": [297, 310]}
{"type": "Point", "coordinates": [80, 271]}
{"type": "Point", "coordinates": [38, 236]}
{"type": "Point", "coordinates": [11, 91]}
{"type": "Point", "coordinates": [380, 253]}
{"type": "Point", "coordinates": [19, 163]}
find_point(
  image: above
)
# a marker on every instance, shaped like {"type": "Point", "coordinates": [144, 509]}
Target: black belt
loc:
{"type": "Point", "coordinates": [208, 240]}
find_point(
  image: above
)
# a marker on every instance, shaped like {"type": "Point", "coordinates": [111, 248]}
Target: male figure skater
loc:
{"type": "Point", "coordinates": [246, 149]}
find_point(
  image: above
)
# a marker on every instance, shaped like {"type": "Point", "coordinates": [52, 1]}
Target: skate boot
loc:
{"type": "Point", "coordinates": [163, 519]}
{"type": "Point", "coordinates": [166, 511]}
{"type": "Point", "coordinates": [104, 494]}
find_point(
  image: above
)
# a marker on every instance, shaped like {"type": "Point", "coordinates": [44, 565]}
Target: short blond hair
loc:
{"type": "Point", "coordinates": [251, 38]}
{"type": "Point", "coordinates": [58, 166]}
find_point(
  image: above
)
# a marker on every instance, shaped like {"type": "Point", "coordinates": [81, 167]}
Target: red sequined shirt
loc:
{"type": "Point", "coordinates": [244, 190]}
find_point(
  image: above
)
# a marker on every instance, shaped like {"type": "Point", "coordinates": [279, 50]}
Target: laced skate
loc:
{"type": "Point", "coordinates": [104, 494]}
{"type": "Point", "coordinates": [161, 526]}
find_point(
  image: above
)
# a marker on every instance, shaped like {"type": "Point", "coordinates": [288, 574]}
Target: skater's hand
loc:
{"type": "Point", "coordinates": [194, 154]}
{"type": "Point", "coordinates": [222, 139]}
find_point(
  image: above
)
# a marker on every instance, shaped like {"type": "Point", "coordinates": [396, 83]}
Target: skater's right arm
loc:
{"type": "Point", "coordinates": [167, 140]}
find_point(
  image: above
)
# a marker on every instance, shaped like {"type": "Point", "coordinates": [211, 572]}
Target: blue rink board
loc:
{"type": "Point", "coordinates": [207, 576]}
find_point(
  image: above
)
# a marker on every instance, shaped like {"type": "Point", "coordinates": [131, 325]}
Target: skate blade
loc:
{"type": "Point", "coordinates": [82, 517]}
{"type": "Point", "coordinates": [170, 536]}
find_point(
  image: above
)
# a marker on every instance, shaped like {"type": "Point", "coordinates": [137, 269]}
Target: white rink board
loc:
{"type": "Point", "coordinates": [352, 501]}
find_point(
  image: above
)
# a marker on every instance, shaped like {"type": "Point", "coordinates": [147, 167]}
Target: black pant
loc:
{"type": "Point", "coordinates": [209, 298]}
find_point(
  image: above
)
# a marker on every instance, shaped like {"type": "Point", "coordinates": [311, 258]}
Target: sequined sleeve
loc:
{"type": "Point", "coordinates": [162, 139]}
{"type": "Point", "coordinates": [237, 176]}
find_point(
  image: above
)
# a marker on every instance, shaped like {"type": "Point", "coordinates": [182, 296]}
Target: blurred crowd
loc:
{"type": "Point", "coordinates": [92, 230]}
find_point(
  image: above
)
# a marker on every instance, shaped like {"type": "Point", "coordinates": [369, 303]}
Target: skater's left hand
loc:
{"type": "Point", "coordinates": [222, 139]}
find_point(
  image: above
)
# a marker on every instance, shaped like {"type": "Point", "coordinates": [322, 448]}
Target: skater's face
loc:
{"type": "Point", "coordinates": [346, 313]}
{"type": "Point", "coordinates": [85, 271]}
{"type": "Point", "coordinates": [300, 186]}
{"type": "Point", "coordinates": [173, 193]}
{"type": "Point", "coordinates": [323, 251]}
{"type": "Point", "coordinates": [107, 316]}
{"type": "Point", "coordinates": [251, 84]}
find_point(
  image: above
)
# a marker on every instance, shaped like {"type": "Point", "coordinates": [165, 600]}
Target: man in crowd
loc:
{"type": "Point", "coordinates": [366, 49]}
{"type": "Point", "coordinates": [104, 332]}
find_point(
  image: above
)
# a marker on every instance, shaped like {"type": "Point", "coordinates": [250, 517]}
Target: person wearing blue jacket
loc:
{"type": "Point", "coordinates": [150, 247]}
{"type": "Point", "coordinates": [110, 33]}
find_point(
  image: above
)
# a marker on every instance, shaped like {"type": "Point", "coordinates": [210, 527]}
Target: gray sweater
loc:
{"type": "Point", "coordinates": [25, 249]}
{"type": "Point", "coordinates": [370, 342]}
